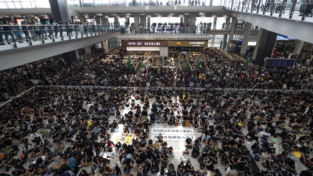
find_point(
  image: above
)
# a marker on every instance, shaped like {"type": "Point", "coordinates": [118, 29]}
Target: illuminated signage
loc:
{"type": "Point", "coordinates": [131, 43]}
{"type": "Point", "coordinates": [178, 43]}
{"type": "Point", "coordinates": [152, 43]}
{"type": "Point", "coordinates": [196, 43]}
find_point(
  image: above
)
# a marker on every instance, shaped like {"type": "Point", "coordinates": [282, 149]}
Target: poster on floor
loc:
{"type": "Point", "coordinates": [178, 137]}
{"type": "Point", "coordinates": [173, 131]}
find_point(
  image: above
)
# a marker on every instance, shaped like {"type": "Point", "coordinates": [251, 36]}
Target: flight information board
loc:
{"type": "Point", "coordinates": [279, 62]}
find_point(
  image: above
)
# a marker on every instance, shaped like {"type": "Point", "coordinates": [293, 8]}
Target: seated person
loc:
{"type": "Point", "coordinates": [185, 156]}
{"type": "Point", "coordinates": [188, 143]}
{"type": "Point", "coordinates": [125, 131]}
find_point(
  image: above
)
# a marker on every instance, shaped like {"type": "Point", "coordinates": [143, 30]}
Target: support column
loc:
{"type": "Point", "coordinates": [88, 49]}
{"type": "Point", "coordinates": [59, 10]}
{"type": "Point", "coordinates": [214, 23]}
{"type": "Point", "coordinates": [105, 45]}
{"type": "Point", "coordinates": [186, 19]}
{"type": "Point", "coordinates": [232, 31]}
{"type": "Point", "coordinates": [116, 23]}
{"type": "Point", "coordinates": [77, 54]}
{"type": "Point", "coordinates": [245, 40]}
{"type": "Point", "coordinates": [181, 20]}
{"type": "Point", "coordinates": [192, 20]}
{"type": "Point", "coordinates": [82, 19]}
{"type": "Point", "coordinates": [227, 23]}
{"type": "Point", "coordinates": [298, 47]}
{"type": "Point", "coordinates": [127, 21]}
{"type": "Point", "coordinates": [105, 21]}
{"type": "Point", "coordinates": [98, 19]}
{"type": "Point", "coordinates": [148, 22]}
{"type": "Point", "coordinates": [143, 20]}
{"type": "Point", "coordinates": [136, 20]}
{"type": "Point", "coordinates": [225, 41]}
{"type": "Point", "coordinates": [264, 46]}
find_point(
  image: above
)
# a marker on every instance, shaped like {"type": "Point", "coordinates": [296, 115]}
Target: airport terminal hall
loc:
{"type": "Point", "coordinates": [156, 87]}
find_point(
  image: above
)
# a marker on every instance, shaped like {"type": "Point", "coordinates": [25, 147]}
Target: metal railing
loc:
{"type": "Point", "coordinates": [14, 34]}
{"type": "Point", "coordinates": [279, 8]}
{"type": "Point", "coordinates": [172, 30]}
{"type": "Point", "coordinates": [132, 3]}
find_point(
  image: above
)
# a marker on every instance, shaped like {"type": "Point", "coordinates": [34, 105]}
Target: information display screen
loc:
{"type": "Point", "coordinates": [279, 62]}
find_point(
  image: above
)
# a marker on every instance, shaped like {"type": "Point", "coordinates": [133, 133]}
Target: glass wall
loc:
{"type": "Point", "coordinates": [24, 4]}
{"type": "Point", "coordinates": [164, 20]}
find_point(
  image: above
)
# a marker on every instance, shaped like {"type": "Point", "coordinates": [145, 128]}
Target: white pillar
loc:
{"type": "Point", "coordinates": [186, 19]}
{"type": "Point", "coordinates": [232, 31]}
{"type": "Point", "coordinates": [136, 20]}
{"type": "Point", "coordinates": [298, 47]}
{"type": "Point", "coordinates": [257, 44]}
{"type": "Point", "coordinates": [192, 20]}
{"type": "Point", "coordinates": [224, 41]}
{"type": "Point", "coordinates": [245, 40]}
{"type": "Point", "coordinates": [214, 23]}
{"type": "Point", "coordinates": [105, 44]}
{"type": "Point", "coordinates": [77, 54]}
{"type": "Point", "coordinates": [143, 20]}
{"type": "Point", "coordinates": [88, 49]}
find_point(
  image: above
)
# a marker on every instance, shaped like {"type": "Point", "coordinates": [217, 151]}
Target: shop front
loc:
{"type": "Point", "coordinates": [188, 48]}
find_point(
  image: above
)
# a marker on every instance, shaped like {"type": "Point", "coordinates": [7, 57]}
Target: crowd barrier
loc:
{"type": "Point", "coordinates": [17, 96]}
{"type": "Point", "coordinates": [174, 88]}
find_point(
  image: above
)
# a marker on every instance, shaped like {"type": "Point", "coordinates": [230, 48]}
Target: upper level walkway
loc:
{"type": "Point", "coordinates": [25, 44]}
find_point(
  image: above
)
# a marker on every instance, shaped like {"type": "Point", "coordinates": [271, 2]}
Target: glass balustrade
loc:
{"type": "Point", "coordinates": [27, 35]}
{"type": "Point", "coordinates": [293, 9]}
{"type": "Point", "coordinates": [121, 3]}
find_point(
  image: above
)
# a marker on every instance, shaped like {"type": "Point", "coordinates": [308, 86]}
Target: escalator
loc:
{"type": "Point", "coordinates": [185, 65]}
{"type": "Point", "coordinates": [141, 67]}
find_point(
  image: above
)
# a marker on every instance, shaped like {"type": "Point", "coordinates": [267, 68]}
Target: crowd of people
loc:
{"type": "Point", "coordinates": [217, 71]}
{"type": "Point", "coordinates": [68, 131]}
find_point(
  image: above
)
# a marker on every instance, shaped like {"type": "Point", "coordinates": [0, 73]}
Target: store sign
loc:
{"type": "Point", "coordinates": [126, 43]}
{"type": "Point", "coordinates": [152, 43]}
{"type": "Point", "coordinates": [188, 43]}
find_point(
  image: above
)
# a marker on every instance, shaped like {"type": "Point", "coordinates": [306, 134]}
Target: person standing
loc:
{"type": "Point", "coordinates": [15, 30]}
{"type": "Point", "coordinates": [56, 28]}
{"type": "Point", "coordinates": [293, 5]}
{"type": "Point", "coordinates": [24, 24]}
{"type": "Point", "coordinates": [7, 31]}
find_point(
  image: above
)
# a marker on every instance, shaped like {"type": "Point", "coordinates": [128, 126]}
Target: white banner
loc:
{"type": "Point", "coordinates": [173, 131]}
{"type": "Point", "coordinates": [174, 137]}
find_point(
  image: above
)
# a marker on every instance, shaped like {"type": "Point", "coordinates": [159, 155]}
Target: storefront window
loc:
{"type": "Point", "coordinates": [73, 3]}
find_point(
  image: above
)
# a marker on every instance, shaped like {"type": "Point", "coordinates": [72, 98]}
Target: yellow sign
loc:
{"type": "Point", "coordinates": [188, 43]}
